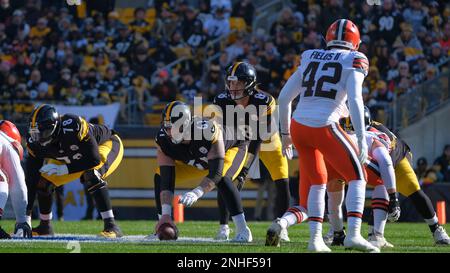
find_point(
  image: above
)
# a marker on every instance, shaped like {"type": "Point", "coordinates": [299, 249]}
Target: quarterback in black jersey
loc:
{"type": "Point", "coordinates": [258, 106]}
{"type": "Point", "coordinates": [63, 148]}
{"type": "Point", "coordinates": [191, 147]}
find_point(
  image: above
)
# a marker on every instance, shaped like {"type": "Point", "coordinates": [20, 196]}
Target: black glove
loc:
{"type": "Point", "coordinates": [4, 234]}
{"type": "Point", "coordinates": [394, 208]}
{"type": "Point", "coordinates": [241, 178]}
{"type": "Point", "coordinates": [23, 230]}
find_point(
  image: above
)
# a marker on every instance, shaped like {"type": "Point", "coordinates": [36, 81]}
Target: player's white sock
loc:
{"type": "Point", "coordinates": [380, 204]}
{"type": "Point", "coordinates": [46, 217]}
{"type": "Point", "coordinates": [432, 221]}
{"type": "Point", "coordinates": [316, 209]}
{"type": "Point", "coordinates": [355, 206]}
{"type": "Point", "coordinates": [4, 190]}
{"type": "Point", "coordinates": [294, 215]}
{"type": "Point", "coordinates": [335, 200]}
{"type": "Point", "coordinates": [239, 221]}
{"type": "Point", "coordinates": [223, 227]}
{"type": "Point", "coordinates": [107, 214]}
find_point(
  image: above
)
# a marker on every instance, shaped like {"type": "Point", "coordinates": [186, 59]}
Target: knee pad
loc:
{"type": "Point", "coordinates": [44, 187]}
{"type": "Point", "coordinates": [93, 180]}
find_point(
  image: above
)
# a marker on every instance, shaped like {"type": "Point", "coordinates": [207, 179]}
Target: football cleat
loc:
{"type": "Point", "coordinates": [4, 234]}
{"type": "Point", "coordinates": [223, 233]}
{"type": "Point", "coordinates": [338, 238]}
{"type": "Point", "coordinates": [379, 241]}
{"type": "Point", "coordinates": [284, 236]}
{"type": "Point", "coordinates": [244, 236]}
{"type": "Point", "coordinates": [360, 244]}
{"type": "Point", "coordinates": [318, 245]}
{"type": "Point", "coordinates": [111, 231]}
{"type": "Point", "coordinates": [328, 238]}
{"type": "Point", "coordinates": [43, 229]}
{"type": "Point", "coordinates": [273, 235]}
{"type": "Point", "coordinates": [441, 236]}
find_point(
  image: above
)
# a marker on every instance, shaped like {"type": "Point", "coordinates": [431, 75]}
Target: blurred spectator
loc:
{"type": "Point", "coordinates": [189, 87]}
{"type": "Point", "coordinates": [213, 83]}
{"type": "Point", "coordinates": [142, 90]}
{"type": "Point", "coordinates": [38, 89]}
{"type": "Point", "coordinates": [41, 29]}
{"type": "Point", "coordinates": [124, 41]}
{"type": "Point", "coordinates": [139, 24]}
{"type": "Point", "coordinates": [218, 25]}
{"type": "Point", "coordinates": [50, 71]}
{"type": "Point", "coordinates": [165, 90]}
{"type": "Point", "coordinates": [421, 167]}
{"type": "Point", "coordinates": [18, 28]}
{"type": "Point", "coordinates": [415, 14]}
{"type": "Point", "coordinates": [381, 94]}
{"type": "Point", "coordinates": [244, 9]}
{"type": "Point", "coordinates": [6, 11]}
{"type": "Point", "coordinates": [444, 40]}
{"type": "Point", "coordinates": [332, 11]}
{"type": "Point", "coordinates": [408, 44]}
{"type": "Point", "coordinates": [444, 162]}
{"type": "Point", "coordinates": [437, 56]}
{"type": "Point", "coordinates": [63, 84]}
{"type": "Point", "coordinates": [8, 87]}
{"type": "Point", "coordinates": [221, 4]}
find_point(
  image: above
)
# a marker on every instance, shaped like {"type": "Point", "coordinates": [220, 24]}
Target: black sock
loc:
{"type": "Point", "coordinates": [157, 180]}
{"type": "Point", "coordinates": [45, 202]}
{"type": "Point", "coordinates": [423, 205]}
{"type": "Point", "coordinates": [101, 197]}
{"type": "Point", "coordinates": [371, 220]}
{"type": "Point", "coordinates": [282, 196]}
{"type": "Point", "coordinates": [224, 214]}
{"type": "Point", "coordinates": [230, 195]}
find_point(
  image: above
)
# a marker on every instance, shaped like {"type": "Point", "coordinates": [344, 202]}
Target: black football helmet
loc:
{"type": "Point", "coordinates": [347, 125]}
{"type": "Point", "coordinates": [45, 124]}
{"type": "Point", "coordinates": [176, 118]}
{"type": "Point", "coordinates": [241, 71]}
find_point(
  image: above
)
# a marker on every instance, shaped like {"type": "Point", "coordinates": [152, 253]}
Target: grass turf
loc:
{"type": "Point", "coordinates": [407, 237]}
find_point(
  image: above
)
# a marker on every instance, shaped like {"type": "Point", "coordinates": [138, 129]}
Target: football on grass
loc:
{"type": "Point", "coordinates": [167, 232]}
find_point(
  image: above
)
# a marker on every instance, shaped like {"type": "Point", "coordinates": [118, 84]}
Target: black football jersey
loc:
{"type": "Point", "coordinates": [76, 144]}
{"type": "Point", "coordinates": [264, 105]}
{"type": "Point", "coordinates": [204, 133]}
{"type": "Point", "coordinates": [399, 148]}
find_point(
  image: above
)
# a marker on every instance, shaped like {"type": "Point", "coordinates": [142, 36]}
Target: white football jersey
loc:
{"type": "Point", "coordinates": [323, 88]}
{"type": "Point", "coordinates": [370, 139]}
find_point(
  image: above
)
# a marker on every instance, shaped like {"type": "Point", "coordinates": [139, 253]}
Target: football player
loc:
{"type": "Point", "coordinates": [381, 177]}
{"type": "Point", "coordinates": [408, 185]}
{"type": "Point", "coordinates": [12, 179]}
{"type": "Point", "coordinates": [243, 96]}
{"type": "Point", "coordinates": [63, 148]}
{"type": "Point", "coordinates": [198, 148]}
{"type": "Point", "coordinates": [325, 80]}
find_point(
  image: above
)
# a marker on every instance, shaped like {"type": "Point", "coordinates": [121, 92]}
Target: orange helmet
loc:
{"type": "Point", "coordinates": [343, 33]}
{"type": "Point", "coordinates": [11, 131]}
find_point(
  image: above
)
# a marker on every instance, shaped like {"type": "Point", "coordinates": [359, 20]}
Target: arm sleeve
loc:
{"type": "Point", "coordinates": [289, 92]}
{"type": "Point", "coordinates": [381, 155]}
{"type": "Point", "coordinates": [32, 176]}
{"type": "Point", "coordinates": [18, 189]}
{"type": "Point", "coordinates": [355, 102]}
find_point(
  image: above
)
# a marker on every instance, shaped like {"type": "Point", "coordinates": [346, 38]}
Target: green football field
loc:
{"type": "Point", "coordinates": [196, 237]}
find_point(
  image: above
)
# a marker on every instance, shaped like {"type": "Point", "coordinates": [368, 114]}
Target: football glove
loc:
{"type": "Point", "coordinates": [241, 178]}
{"type": "Point", "coordinates": [189, 198]}
{"type": "Point", "coordinates": [53, 169]}
{"type": "Point", "coordinates": [394, 208]}
{"type": "Point", "coordinates": [22, 230]}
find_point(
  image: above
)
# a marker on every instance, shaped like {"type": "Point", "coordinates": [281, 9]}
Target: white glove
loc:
{"type": "Point", "coordinates": [363, 150]}
{"type": "Point", "coordinates": [286, 146]}
{"type": "Point", "coordinates": [190, 197]}
{"type": "Point", "coordinates": [53, 169]}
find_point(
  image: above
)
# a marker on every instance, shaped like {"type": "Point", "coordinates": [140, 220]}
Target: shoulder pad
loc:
{"type": "Point", "coordinates": [360, 62]}
{"type": "Point", "coordinates": [220, 98]}
{"type": "Point", "coordinates": [208, 128]}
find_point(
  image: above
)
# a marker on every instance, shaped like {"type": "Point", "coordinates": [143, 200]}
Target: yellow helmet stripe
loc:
{"type": "Point", "coordinates": [169, 109]}
{"type": "Point", "coordinates": [235, 66]}
{"type": "Point", "coordinates": [33, 120]}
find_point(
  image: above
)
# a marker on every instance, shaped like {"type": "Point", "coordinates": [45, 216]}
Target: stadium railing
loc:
{"type": "Point", "coordinates": [420, 101]}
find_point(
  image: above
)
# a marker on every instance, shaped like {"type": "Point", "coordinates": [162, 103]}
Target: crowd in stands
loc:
{"type": "Point", "coordinates": [438, 172]}
{"type": "Point", "coordinates": [97, 54]}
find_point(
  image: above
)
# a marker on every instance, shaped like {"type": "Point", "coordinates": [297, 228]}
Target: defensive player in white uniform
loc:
{"type": "Point", "coordinates": [12, 179]}
{"type": "Point", "coordinates": [324, 81]}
